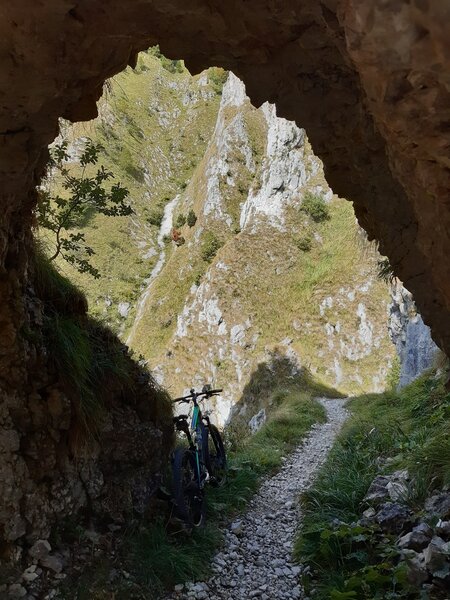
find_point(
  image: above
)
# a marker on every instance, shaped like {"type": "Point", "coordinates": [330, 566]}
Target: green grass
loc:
{"type": "Point", "coordinates": [160, 559]}
{"type": "Point", "coordinates": [389, 431]}
{"type": "Point", "coordinates": [153, 142]}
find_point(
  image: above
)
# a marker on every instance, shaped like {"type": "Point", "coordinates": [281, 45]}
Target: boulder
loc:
{"type": "Point", "coordinates": [417, 539]}
{"type": "Point", "coordinates": [417, 572]}
{"type": "Point", "coordinates": [17, 591]}
{"type": "Point", "coordinates": [439, 505]}
{"type": "Point", "coordinates": [385, 487]}
{"type": "Point", "coordinates": [393, 517]}
{"type": "Point", "coordinates": [52, 562]}
{"type": "Point", "coordinates": [40, 549]}
{"type": "Point", "coordinates": [443, 529]}
{"type": "Point", "coordinates": [257, 421]}
{"type": "Point", "coordinates": [437, 554]}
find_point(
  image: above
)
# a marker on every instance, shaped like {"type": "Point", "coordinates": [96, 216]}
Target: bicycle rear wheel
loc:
{"type": "Point", "coordinates": [217, 460]}
{"type": "Point", "coordinates": [187, 495]}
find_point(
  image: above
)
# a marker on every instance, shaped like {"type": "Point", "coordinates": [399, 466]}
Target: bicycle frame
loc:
{"type": "Point", "coordinates": [195, 445]}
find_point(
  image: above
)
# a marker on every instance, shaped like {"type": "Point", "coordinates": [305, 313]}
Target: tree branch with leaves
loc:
{"type": "Point", "coordinates": [81, 194]}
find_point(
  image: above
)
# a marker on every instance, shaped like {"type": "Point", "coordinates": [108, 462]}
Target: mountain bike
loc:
{"type": "Point", "coordinates": [203, 461]}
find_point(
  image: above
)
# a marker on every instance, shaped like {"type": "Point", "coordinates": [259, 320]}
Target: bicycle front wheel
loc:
{"type": "Point", "coordinates": [217, 460]}
{"type": "Point", "coordinates": [187, 495]}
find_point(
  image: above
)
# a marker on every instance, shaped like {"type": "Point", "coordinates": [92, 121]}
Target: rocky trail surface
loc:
{"type": "Point", "coordinates": [255, 561]}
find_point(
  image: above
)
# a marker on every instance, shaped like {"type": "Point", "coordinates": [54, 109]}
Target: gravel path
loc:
{"type": "Point", "coordinates": [255, 561]}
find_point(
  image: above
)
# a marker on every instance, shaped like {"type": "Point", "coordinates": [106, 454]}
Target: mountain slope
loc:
{"type": "Point", "coordinates": [223, 266]}
{"type": "Point", "coordinates": [278, 283]}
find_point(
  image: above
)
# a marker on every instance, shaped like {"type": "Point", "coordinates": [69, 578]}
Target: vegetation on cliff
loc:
{"type": "Point", "coordinates": [86, 359]}
{"type": "Point", "coordinates": [195, 159]}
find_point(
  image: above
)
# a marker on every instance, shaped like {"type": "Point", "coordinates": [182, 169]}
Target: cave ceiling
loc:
{"type": "Point", "coordinates": [368, 80]}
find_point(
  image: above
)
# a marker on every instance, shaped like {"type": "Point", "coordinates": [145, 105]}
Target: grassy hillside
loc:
{"type": "Point", "coordinates": [154, 125]}
{"type": "Point", "coordinates": [238, 288]}
{"type": "Point", "coordinates": [387, 432]}
{"type": "Point", "coordinates": [308, 288]}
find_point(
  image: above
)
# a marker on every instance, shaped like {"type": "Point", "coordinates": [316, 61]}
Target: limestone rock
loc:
{"type": "Point", "coordinates": [17, 591]}
{"type": "Point", "coordinates": [393, 517]}
{"type": "Point", "coordinates": [392, 486]}
{"type": "Point", "coordinates": [443, 529]}
{"type": "Point", "coordinates": [52, 562]}
{"type": "Point", "coordinates": [236, 527]}
{"type": "Point", "coordinates": [439, 505]}
{"type": "Point", "coordinates": [257, 421]}
{"type": "Point", "coordinates": [40, 549]}
{"type": "Point", "coordinates": [417, 571]}
{"type": "Point", "coordinates": [436, 554]}
{"type": "Point", "coordinates": [417, 539]}
{"type": "Point", "coordinates": [412, 338]}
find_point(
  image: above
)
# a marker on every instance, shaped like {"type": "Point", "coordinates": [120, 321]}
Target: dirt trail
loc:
{"type": "Point", "coordinates": [255, 561]}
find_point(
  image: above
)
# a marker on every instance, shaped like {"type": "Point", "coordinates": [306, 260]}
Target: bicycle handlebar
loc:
{"type": "Point", "coordinates": [195, 395]}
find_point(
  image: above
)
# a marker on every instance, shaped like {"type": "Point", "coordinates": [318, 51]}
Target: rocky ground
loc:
{"type": "Point", "coordinates": [255, 561]}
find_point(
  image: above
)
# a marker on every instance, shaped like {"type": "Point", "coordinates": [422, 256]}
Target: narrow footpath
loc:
{"type": "Point", "coordinates": [255, 561]}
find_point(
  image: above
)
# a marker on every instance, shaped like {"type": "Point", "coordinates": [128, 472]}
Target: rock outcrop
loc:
{"type": "Point", "coordinates": [63, 447]}
{"type": "Point", "coordinates": [368, 81]}
{"type": "Point", "coordinates": [412, 338]}
{"type": "Point", "coordinates": [276, 281]}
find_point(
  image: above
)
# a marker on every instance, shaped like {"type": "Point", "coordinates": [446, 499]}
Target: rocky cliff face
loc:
{"type": "Point", "coordinates": [277, 280]}
{"type": "Point", "coordinates": [68, 447]}
{"type": "Point", "coordinates": [256, 274]}
{"type": "Point", "coordinates": [412, 338]}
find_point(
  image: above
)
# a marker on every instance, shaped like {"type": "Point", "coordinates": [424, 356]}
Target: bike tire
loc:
{"type": "Point", "coordinates": [216, 461]}
{"type": "Point", "coordinates": [188, 497]}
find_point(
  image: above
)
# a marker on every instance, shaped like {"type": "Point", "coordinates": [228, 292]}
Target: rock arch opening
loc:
{"type": "Point", "coordinates": [377, 119]}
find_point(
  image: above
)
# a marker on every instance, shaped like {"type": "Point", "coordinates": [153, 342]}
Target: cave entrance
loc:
{"type": "Point", "coordinates": [236, 252]}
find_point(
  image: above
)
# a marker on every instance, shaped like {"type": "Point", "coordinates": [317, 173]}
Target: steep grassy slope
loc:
{"type": "Point", "coordinates": [253, 273]}
{"type": "Point", "coordinates": [276, 279]}
{"type": "Point", "coordinates": [154, 125]}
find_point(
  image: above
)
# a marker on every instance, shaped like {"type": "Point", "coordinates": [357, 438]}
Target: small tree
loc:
{"type": "Point", "coordinates": [191, 219]}
{"type": "Point", "coordinates": [210, 246]}
{"type": "Point", "coordinates": [61, 213]}
{"type": "Point", "coordinates": [304, 243]}
{"type": "Point", "coordinates": [180, 221]}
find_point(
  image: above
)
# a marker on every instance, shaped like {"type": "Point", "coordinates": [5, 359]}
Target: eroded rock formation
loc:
{"type": "Point", "coordinates": [412, 338]}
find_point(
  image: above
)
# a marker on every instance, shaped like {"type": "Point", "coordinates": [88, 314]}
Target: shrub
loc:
{"type": "Point", "coordinates": [217, 78]}
{"type": "Point", "coordinates": [410, 428]}
{"type": "Point", "coordinates": [315, 206]}
{"type": "Point", "coordinates": [304, 244]}
{"type": "Point", "coordinates": [155, 216]}
{"type": "Point", "coordinates": [211, 244]}
{"type": "Point", "coordinates": [191, 219]}
{"type": "Point", "coordinates": [180, 221]}
{"type": "Point", "coordinates": [173, 66]}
